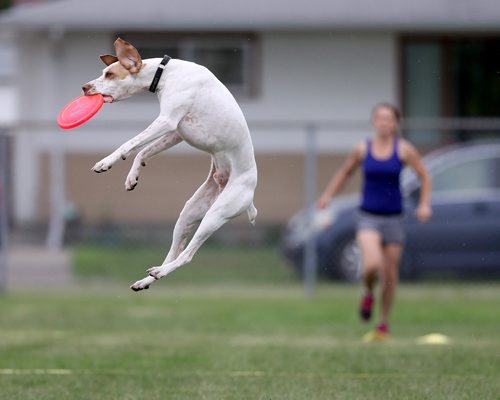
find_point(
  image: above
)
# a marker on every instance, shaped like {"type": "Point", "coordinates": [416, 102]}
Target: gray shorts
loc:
{"type": "Point", "coordinates": [390, 227]}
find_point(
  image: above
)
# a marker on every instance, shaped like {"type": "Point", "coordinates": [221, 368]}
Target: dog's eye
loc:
{"type": "Point", "coordinates": [109, 75]}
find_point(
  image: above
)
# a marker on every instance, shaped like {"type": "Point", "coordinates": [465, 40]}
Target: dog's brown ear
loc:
{"type": "Point", "coordinates": [108, 59]}
{"type": "Point", "coordinates": [128, 56]}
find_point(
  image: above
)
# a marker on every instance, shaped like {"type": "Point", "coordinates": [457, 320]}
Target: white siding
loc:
{"type": "Point", "coordinates": [8, 67]}
{"type": "Point", "coordinates": [9, 109]}
{"type": "Point", "coordinates": [318, 77]}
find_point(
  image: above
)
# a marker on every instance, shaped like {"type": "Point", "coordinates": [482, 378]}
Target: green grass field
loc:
{"type": "Point", "coordinates": [220, 335]}
{"type": "Point", "coordinates": [213, 264]}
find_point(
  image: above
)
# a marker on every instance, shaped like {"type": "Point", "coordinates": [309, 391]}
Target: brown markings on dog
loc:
{"type": "Point", "coordinates": [117, 71]}
{"type": "Point", "coordinates": [130, 61]}
{"type": "Point", "coordinates": [221, 178]}
{"type": "Point", "coordinates": [128, 55]}
{"type": "Point", "coordinates": [108, 59]}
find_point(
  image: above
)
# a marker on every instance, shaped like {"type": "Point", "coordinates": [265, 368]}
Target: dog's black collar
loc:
{"type": "Point", "coordinates": [158, 73]}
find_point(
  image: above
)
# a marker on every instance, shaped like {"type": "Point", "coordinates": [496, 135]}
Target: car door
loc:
{"type": "Point", "coordinates": [464, 231]}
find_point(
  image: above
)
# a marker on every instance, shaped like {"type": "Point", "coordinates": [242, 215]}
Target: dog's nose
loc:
{"type": "Point", "coordinates": [86, 88]}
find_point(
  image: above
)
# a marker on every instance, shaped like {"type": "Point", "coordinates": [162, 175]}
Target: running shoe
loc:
{"type": "Point", "coordinates": [382, 327]}
{"type": "Point", "coordinates": [379, 334]}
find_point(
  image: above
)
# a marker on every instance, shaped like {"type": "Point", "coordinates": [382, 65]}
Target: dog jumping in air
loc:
{"type": "Point", "coordinates": [197, 108]}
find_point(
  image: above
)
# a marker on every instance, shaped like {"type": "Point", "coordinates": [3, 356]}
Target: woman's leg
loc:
{"type": "Point", "coordinates": [390, 276]}
{"type": "Point", "coordinates": [370, 244]}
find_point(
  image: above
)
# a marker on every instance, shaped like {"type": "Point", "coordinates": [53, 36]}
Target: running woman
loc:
{"type": "Point", "coordinates": [380, 231]}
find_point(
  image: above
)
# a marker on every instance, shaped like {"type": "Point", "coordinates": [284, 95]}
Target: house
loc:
{"type": "Point", "coordinates": [292, 66]}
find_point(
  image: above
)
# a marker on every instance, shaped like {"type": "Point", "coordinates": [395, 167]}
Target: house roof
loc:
{"type": "Point", "coordinates": [421, 15]}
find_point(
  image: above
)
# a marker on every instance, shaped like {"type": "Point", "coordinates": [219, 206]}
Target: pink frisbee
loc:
{"type": "Point", "coordinates": [79, 110]}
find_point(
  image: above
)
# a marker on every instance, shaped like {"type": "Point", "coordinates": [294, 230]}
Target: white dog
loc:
{"type": "Point", "coordinates": [197, 108]}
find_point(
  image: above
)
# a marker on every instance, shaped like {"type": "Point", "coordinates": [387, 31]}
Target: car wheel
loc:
{"type": "Point", "coordinates": [349, 261]}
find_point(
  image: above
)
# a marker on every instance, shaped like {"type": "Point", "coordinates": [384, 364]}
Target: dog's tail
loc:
{"type": "Point", "coordinates": [252, 213]}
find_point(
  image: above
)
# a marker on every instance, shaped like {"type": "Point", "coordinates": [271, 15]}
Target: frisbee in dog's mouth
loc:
{"type": "Point", "coordinates": [79, 110]}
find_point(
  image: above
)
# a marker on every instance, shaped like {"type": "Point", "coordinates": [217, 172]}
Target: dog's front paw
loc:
{"type": "Point", "coordinates": [131, 182]}
{"type": "Point", "coordinates": [142, 284]}
{"type": "Point", "coordinates": [105, 164]}
{"type": "Point", "coordinates": [157, 272]}
{"type": "Point", "coordinates": [132, 177]}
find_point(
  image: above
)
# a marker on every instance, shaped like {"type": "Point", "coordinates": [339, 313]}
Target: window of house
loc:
{"type": "Point", "coordinates": [232, 57]}
{"type": "Point", "coordinates": [451, 77]}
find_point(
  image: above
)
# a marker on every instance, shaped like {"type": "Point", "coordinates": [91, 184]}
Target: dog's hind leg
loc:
{"type": "Point", "coordinates": [191, 215]}
{"type": "Point", "coordinates": [189, 218]}
{"type": "Point", "coordinates": [233, 200]}
{"type": "Point", "coordinates": [252, 213]}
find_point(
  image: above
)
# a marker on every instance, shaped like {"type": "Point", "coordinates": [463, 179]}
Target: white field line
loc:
{"type": "Point", "coordinates": [54, 371]}
{"type": "Point", "coordinates": [35, 371]}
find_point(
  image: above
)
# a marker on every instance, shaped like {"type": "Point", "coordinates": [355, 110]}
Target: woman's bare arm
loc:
{"type": "Point", "coordinates": [411, 156]}
{"type": "Point", "coordinates": [339, 179]}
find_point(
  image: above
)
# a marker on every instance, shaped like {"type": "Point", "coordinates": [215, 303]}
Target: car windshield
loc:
{"type": "Point", "coordinates": [468, 176]}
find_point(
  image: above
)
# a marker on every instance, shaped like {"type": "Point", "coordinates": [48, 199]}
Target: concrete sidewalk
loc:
{"type": "Point", "coordinates": [34, 266]}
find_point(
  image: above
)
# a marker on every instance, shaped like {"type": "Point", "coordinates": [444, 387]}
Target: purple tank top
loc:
{"type": "Point", "coordinates": [381, 189]}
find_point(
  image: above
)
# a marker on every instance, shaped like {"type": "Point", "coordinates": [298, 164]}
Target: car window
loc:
{"type": "Point", "coordinates": [469, 175]}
